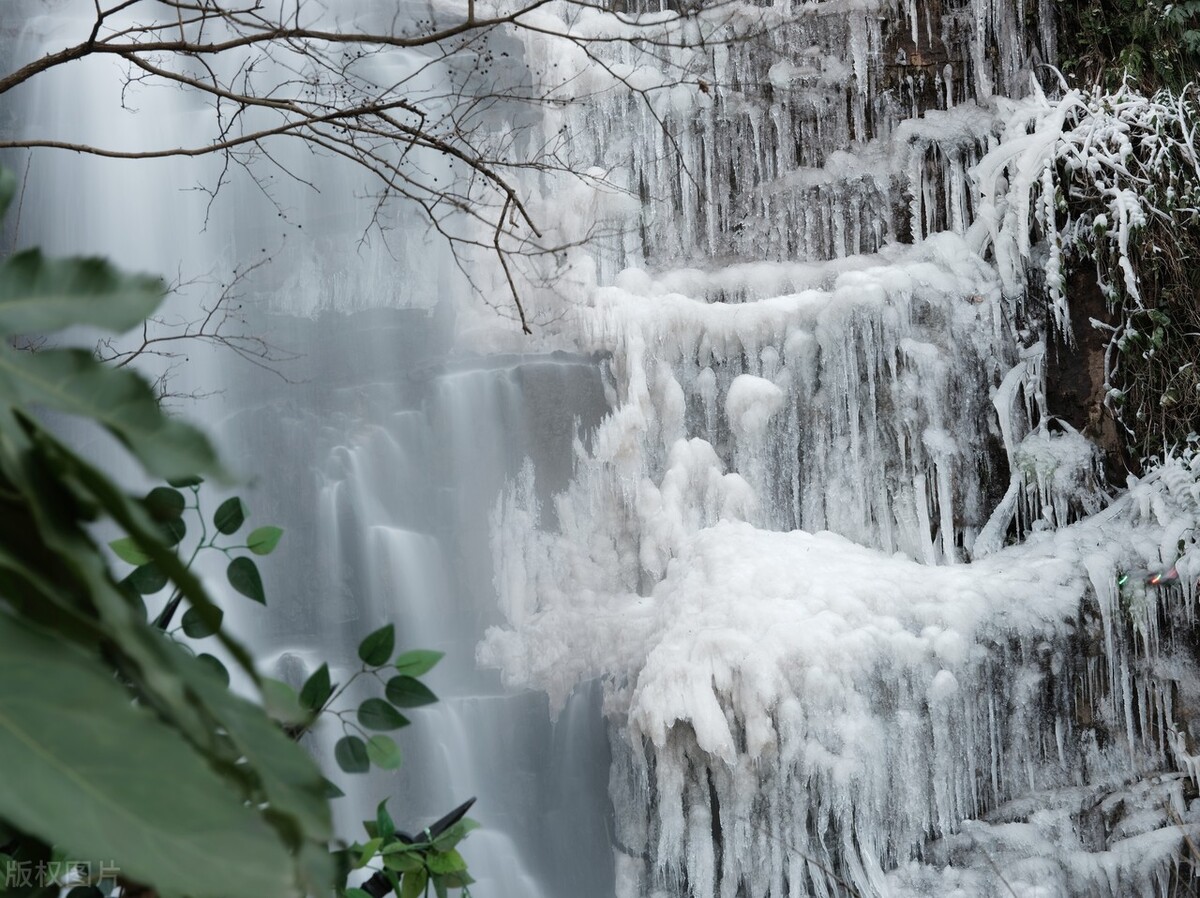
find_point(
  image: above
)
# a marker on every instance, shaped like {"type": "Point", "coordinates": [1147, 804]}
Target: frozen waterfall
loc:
{"type": "Point", "coordinates": [851, 591]}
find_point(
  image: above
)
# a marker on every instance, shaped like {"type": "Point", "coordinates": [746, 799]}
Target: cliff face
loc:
{"type": "Point", "coordinates": [1075, 383]}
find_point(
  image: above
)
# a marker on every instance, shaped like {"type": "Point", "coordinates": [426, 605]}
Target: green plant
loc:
{"type": "Point", "coordinates": [127, 760]}
{"type": "Point", "coordinates": [1154, 42]}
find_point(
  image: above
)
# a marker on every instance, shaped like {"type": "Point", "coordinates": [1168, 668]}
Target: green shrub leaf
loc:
{"type": "Point", "coordinates": [403, 863]}
{"type": "Point", "coordinates": [377, 648]}
{"type": "Point", "coordinates": [217, 668]}
{"type": "Point", "coordinates": [351, 755]}
{"type": "Point", "coordinates": [282, 703]}
{"type": "Point", "coordinates": [364, 854]}
{"type": "Point", "coordinates": [407, 692]}
{"type": "Point", "coordinates": [40, 295]}
{"type": "Point", "coordinates": [73, 382]}
{"type": "Point", "coordinates": [173, 532]}
{"type": "Point", "coordinates": [244, 577]}
{"type": "Point", "coordinates": [197, 626]}
{"type": "Point", "coordinates": [454, 834]}
{"type": "Point", "coordinates": [384, 752]}
{"type": "Point", "coordinates": [316, 689]}
{"type": "Point", "coordinates": [332, 791]}
{"type": "Point", "coordinates": [8, 189]}
{"type": "Point", "coordinates": [263, 540]}
{"type": "Point", "coordinates": [127, 550]}
{"type": "Point", "coordinates": [230, 515]}
{"type": "Point", "coordinates": [147, 579]}
{"type": "Point", "coordinates": [376, 714]}
{"type": "Point", "coordinates": [445, 862]}
{"type": "Point", "coordinates": [68, 727]}
{"type": "Point", "coordinates": [414, 883]}
{"type": "Point", "coordinates": [418, 662]}
{"type": "Point", "coordinates": [384, 825]}
{"type": "Point", "coordinates": [164, 503]}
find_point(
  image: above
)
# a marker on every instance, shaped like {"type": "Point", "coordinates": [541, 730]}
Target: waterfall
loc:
{"type": "Point", "coordinates": [381, 454]}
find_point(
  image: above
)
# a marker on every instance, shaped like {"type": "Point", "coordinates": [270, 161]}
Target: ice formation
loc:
{"type": "Point", "coordinates": [865, 617]}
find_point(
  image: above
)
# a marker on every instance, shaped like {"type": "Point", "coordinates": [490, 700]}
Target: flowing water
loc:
{"type": "Point", "coordinates": [739, 549]}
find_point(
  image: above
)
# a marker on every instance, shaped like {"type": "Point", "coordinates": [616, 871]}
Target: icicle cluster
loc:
{"type": "Point", "coordinates": [828, 708]}
{"type": "Point", "coordinates": [797, 131]}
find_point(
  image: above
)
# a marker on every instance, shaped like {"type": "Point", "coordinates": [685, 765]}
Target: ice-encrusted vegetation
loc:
{"type": "Point", "coordinates": [1111, 179]}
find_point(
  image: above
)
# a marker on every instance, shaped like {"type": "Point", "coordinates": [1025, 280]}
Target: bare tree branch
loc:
{"type": "Point", "coordinates": [281, 71]}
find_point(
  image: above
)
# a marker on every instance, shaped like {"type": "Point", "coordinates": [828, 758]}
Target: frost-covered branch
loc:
{"type": "Point", "coordinates": [1113, 178]}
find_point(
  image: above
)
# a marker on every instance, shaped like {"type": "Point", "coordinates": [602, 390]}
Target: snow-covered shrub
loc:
{"type": "Point", "coordinates": [1112, 178]}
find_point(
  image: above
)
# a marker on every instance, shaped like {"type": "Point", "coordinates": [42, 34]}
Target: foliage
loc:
{"type": "Point", "coordinates": [128, 760]}
{"type": "Point", "coordinates": [410, 865]}
{"type": "Point", "coordinates": [1156, 43]}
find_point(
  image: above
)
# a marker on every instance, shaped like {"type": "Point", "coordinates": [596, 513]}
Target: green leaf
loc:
{"type": "Point", "coordinates": [40, 295]}
{"type": "Point", "coordinates": [376, 714]}
{"type": "Point", "coordinates": [8, 189]}
{"type": "Point", "coordinates": [217, 668]}
{"type": "Point", "coordinates": [418, 662]}
{"type": "Point", "coordinates": [404, 863]}
{"type": "Point", "coordinates": [71, 381]}
{"type": "Point", "coordinates": [127, 550]}
{"type": "Point", "coordinates": [377, 648]}
{"type": "Point", "coordinates": [147, 579]}
{"type": "Point", "coordinates": [332, 791]}
{"type": "Point", "coordinates": [197, 626]}
{"type": "Point", "coordinates": [316, 689]}
{"type": "Point", "coordinates": [383, 752]}
{"type": "Point", "coordinates": [230, 515]}
{"type": "Point", "coordinates": [456, 880]}
{"type": "Point", "coordinates": [351, 755]}
{"type": "Point", "coordinates": [186, 481]}
{"type": "Point", "coordinates": [407, 692]}
{"type": "Point", "coordinates": [263, 540]}
{"type": "Point", "coordinates": [454, 834]}
{"type": "Point", "coordinates": [445, 862]}
{"type": "Point", "coordinates": [384, 825]}
{"type": "Point", "coordinates": [414, 883]}
{"type": "Point", "coordinates": [399, 847]}
{"type": "Point", "coordinates": [243, 576]}
{"type": "Point", "coordinates": [287, 776]}
{"type": "Point", "coordinates": [356, 893]}
{"type": "Point", "coordinates": [108, 779]}
{"type": "Point", "coordinates": [282, 703]}
{"type": "Point", "coordinates": [164, 503]}
{"type": "Point", "coordinates": [366, 852]}
{"type": "Point", "coordinates": [173, 532]}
